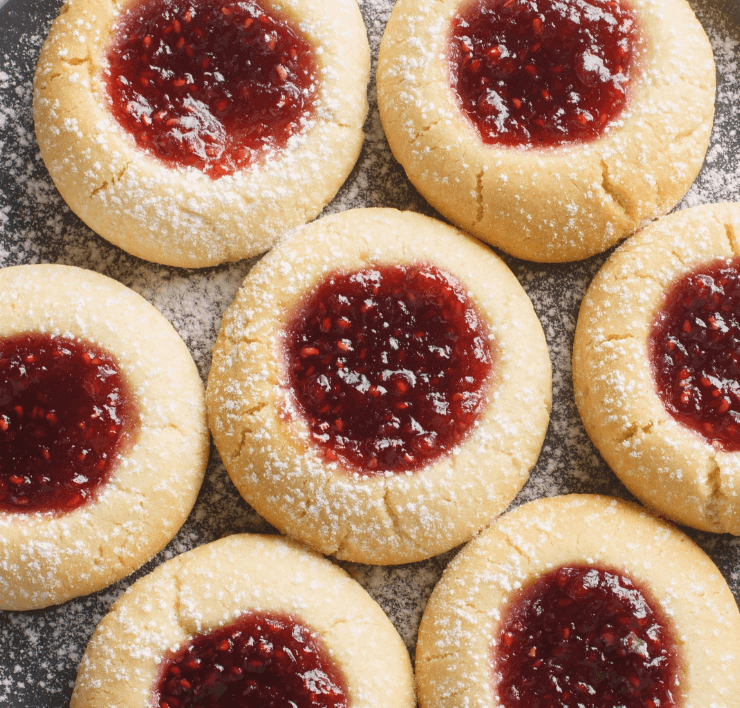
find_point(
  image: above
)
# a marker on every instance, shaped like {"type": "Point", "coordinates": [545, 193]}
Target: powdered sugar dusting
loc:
{"type": "Point", "coordinates": [40, 650]}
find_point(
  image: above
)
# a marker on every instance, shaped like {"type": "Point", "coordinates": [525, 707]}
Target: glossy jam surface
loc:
{"type": "Point", "coordinates": [258, 661]}
{"type": "Point", "coordinates": [212, 84]}
{"type": "Point", "coordinates": [66, 412]}
{"type": "Point", "coordinates": [389, 366]}
{"type": "Point", "coordinates": [695, 352]}
{"type": "Point", "coordinates": [585, 637]}
{"type": "Point", "coordinates": [542, 73]}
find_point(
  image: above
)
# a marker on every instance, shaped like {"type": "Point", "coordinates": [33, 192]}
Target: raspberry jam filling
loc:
{"type": "Point", "coordinates": [585, 637]}
{"type": "Point", "coordinates": [694, 346]}
{"type": "Point", "coordinates": [66, 412]}
{"type": "Point", "coordinates": [212, 84]}
{"type": "Point", "coordinates": [389, 365]}
{"type": "Point", "coordinates": [542, 73]}
{"type": "Point", "coordinates": [258, 661]}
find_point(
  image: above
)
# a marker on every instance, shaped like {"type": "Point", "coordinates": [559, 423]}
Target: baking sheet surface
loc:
{"type": "Point", "coordinates": [40, 651]}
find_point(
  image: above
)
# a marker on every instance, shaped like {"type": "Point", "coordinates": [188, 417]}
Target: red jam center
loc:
{"type": "Point", "coordinates": [65, 414]}
{"type": "Point", "coordinates": [258, 661]}
{"type": "Point", "coordinates": [389, 365]}
{"type": "Point", "coordinates": [211, 84]}
{"type": "Point", "coordinates": [542, 73]}
{"type": "Point", "coordinates": [695, 352]}
{"type": "Point", "coordinates": [584, 637]}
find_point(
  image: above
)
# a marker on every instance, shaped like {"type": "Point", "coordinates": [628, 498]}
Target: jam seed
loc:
{"type": "Point", "coordinates": [402, 386]}
{"type": "Point", "coordinates": [147, 41]}
{"type": "Point", "coordinates": [177, 26]}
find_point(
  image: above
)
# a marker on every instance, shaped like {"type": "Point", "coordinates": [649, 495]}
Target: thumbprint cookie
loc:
{"type": "Point", "coordinates": [380, 387]}
{"type": "Point", "coordinates": [193, 132]}
{"type": "Point", "coordinates": [656, 366]}
{"type": "Point", "coordinates": [549, 129]}
{"type": "Point", "coordinates": [103, 436]}
{"type": "Point", "coordinates": [248, 621]}
{"type": "Point", "coordinates": [580, 602]}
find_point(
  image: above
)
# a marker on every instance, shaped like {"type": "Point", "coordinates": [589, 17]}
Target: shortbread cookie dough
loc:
{"type": "Point", "coordinates": [538, 195]}
{"type": "Point", "coordinates": [236, 580]}
{"type": "Point", "coordinates": [683, 614]}
{"type": "Point", "coordinates": [285, 405]}
{"type": "Point", "coordinates": [669, 464]}
{"type": "Point", "coordinates": [162, 176]}
{"type": "Point", "coordinates": [75, 513]}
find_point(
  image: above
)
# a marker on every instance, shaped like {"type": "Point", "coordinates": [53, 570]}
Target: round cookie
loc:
{"type": "Point", "coordinates": [215, 584]}
{"type": "Point", "coordinates": [664, 463]}
{"type": "Point", "coordinates": [559, 203]}
{"type": "Point", "coordinates": [459, 632]}
{"type": "Point", "coordinates": [270, 451]}
{"type": "Point", "coordinates": [180, 215]}
{"type": "Point", "coordinates": [48, 557]}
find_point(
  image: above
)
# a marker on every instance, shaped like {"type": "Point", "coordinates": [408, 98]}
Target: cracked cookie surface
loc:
{"type": "Point", "coordinates": [665, 463]}
{"type": "Point", "coordinates": [186, 215]}
{"type": "Point", "coordinates": [269, 449]}
{"type": "Point", "coordinates": [48, 556]}
{"type": "Point", "coordinates": [561, 203]}
{"type": "Point", "coordinates": [456, 657]}
{"type": "Point", "coordinates": [221, 582]}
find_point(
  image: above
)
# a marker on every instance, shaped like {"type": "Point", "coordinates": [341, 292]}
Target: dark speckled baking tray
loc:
{"type": "Point", "coordinates": [40, 651]}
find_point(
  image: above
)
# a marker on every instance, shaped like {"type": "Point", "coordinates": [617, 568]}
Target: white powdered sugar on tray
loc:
{"type": "Point", "coordinates": [40, 650]}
